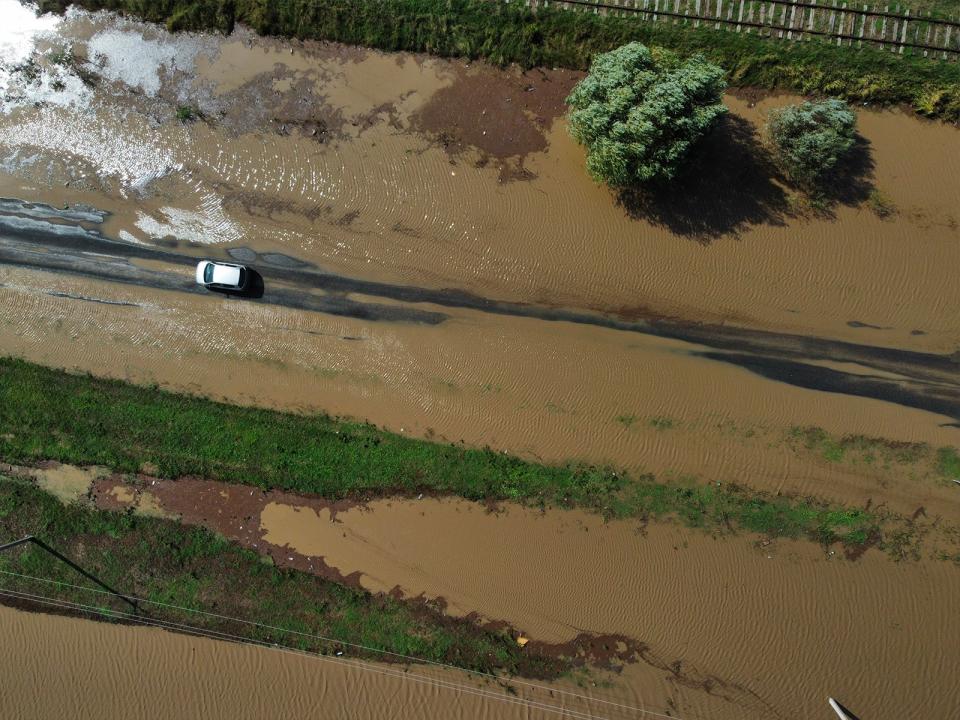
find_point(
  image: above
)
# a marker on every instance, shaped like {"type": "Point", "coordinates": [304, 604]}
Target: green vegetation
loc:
{"type": "Point", "coordinates": [948, 463]}
{"type": "Point", "coordinates": [809, 140]}
{"type": "Point", "coordinates": [51, 415]}
{"type": "Point", "coordinates": [66, 58]}
{"type": "Point", "coordinates": [185, 113]}
{"type": "Point", "coordinates": [510, 32]}
{"type": "Point", "coordinates": [880, 204]}
{"type": "Point", "coordinates": [941, 464]}
{"type": "Point", "coordinates": [639, 113]}
{"type": "Point", "coordinates": [29, 70]}
{"type": "Point", "coordinates": [662, 422]}
{"type": "Point", "coordinates": [162, 561]}
{"type": "Point", "coordinates": [949, 9]}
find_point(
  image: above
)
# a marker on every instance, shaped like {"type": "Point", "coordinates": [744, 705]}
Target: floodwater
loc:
{"type": "Point", "coordinates": [703, 609]}
{"type": "Point", "coordinates": [103, 671]}
{"type": "Point", "coordinates": [344, 171]}
{"type": "Point", "coordinates": [707, 606]}
{"type": "Point", "coordinates": [545, 391]}
{"type": "Point", "coordinates": [435, 260]}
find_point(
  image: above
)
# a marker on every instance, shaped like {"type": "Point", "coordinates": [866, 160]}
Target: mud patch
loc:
{"type": "Point", "coordinates": [503, 115]}
{"type": "Point", "coordinates": [67, 483]}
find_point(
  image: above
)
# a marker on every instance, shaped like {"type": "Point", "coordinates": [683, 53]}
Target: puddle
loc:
{"type": "Point", "coordinates": [66, 482]}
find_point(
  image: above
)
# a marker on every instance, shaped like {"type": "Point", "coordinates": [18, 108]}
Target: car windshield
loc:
{"type": "Point", "coordinates": [208, 273]}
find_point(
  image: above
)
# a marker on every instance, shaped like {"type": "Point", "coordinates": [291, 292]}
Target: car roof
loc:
{"type": "Point", "coordinates": [226, 274]}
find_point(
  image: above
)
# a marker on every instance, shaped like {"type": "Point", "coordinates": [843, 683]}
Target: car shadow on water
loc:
{"type": "Point", "coordinates": [732, 184]}
{"type": "Point", "coordinates": [254, 289]}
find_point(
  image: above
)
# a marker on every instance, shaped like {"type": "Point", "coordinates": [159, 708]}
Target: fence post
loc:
{"type": "Point", "coordinates": [903, 31]}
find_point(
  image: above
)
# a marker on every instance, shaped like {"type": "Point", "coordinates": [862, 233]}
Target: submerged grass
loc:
{"type": "Point", "coordinates": [512, 33]}
{"type": "Point", "coordinates": [163, 561]}
{"type": "Point", "coordinates": [48, 414]}
{"type": "Point", "coordinates": [941, 464]}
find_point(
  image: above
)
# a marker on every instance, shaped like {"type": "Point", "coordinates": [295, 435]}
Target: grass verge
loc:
{"type": "Point", "coordinates": [163, 561]}
{"type": "Point", "coordinates": [48, 414]}
{"type": "Point", "coordinates": [511, 33]}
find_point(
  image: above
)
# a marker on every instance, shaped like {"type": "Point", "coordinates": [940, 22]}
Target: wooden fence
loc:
{"type": "Point", "coordinates": [841, 23]}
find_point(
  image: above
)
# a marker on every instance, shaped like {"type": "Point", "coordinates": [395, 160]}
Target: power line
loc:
{"type": "Point", "coordinates": [359, 664]}
{"type": "Point", "coordinates": [358, 646]}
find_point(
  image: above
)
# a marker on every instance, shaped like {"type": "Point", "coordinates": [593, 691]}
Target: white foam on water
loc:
{"type": "Point", "coordinates": [136, 61]}
{"type": "Point", "coordinates": [20, 29]}
{"type": "Point", "coordinates": [130, 238]}
{"type": "Point", "coordinates": [208, 226]}
{"type": "Point", "coordinates": [133, 160]}
{"type": "Point", "coordinates": [54, 88]}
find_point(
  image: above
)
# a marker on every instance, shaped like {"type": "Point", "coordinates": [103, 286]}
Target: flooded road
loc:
{"type": "Point", "coordinates": [340, 158]}
{"type": "Point", "coordinates": [435, 260]}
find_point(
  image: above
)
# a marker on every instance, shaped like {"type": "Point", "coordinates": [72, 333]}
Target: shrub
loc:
{"type": "Point", "coordinates": [639, 113]}
{"type": "Point", "coordinates": [186, 113]}
{"type": "Point", "coordinates": [810, 139]}
{"type": "Point", "coordinates": [881, 205]}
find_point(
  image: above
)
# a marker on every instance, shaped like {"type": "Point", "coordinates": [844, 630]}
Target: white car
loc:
{"type": "Point", "coordinates": [222, 276]}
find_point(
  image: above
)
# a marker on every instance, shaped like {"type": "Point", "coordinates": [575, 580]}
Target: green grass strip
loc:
{"type": "Point", "coordinates": [511, 33]}
{"type": "Point", "coordinates": [48, 414]}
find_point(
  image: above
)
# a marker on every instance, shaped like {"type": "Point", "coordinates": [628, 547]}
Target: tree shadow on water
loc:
{"type": "Point", "coordinates": [852, 181]}
{"type": "Point", "coordinates": [732, 184]}
{"type": "Point", "coordinates": [728, 186]}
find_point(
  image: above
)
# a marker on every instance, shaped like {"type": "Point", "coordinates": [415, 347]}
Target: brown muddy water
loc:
{"type": "Point", "coordinates": [392, 167]}
{"type": "Point", "coordinates": [725, 620]}
{"type": "Point", "coordinates": [442, 175]}
{"type": "Point", "coordinates": [104, 671]}
{"type": "Point", "coordinates": [546, 391]}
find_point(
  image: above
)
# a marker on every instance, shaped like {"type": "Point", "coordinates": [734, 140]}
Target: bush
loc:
{"type": "Point", "coordinates": [639, 113]}
{"type": "Point", "coordinates": [810, 139]}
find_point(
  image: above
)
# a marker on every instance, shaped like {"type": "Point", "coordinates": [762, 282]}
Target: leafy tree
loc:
{"type": "Point", "coordinates": [810, 139]}
{"type": "Point", "coordinates": [639, 112]}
